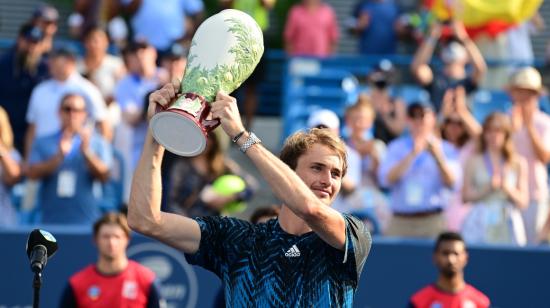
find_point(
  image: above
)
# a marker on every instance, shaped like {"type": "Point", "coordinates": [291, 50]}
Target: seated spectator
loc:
{"type": "Point", "coordinates": [190, 189]}
{"type": "Point", "coordinates": [460, 129]}
{"type": "Point", "coordinates": [376, 25]}
{"type": "Point", "coordinates": [131, 93]}
{"type": "Point", "coordinates": [450, 290]}
{"type": "Point", "coordinates": [142, 77]}
{"type": "Point", "coordinates": [45, 100]}
{"type": "Point", "coordinates": [264, 214]}
{"type": "Point", "coordinates": [420, 170]}
{"type": "Point", "coordinates": [495, 182]}
{"type": "Point", "coordinates": [68, 162]}
{"type": "Point", "coordinates": [174, 61]}
{"type": "Point", "coordinates": [10, 171]}
{"type": "Point", "coordinates": [22, 67]}
{"type": "Point", "coordinates": [311, 29]}
{"type": "Point", "coordinates": [369, 200]}
{"type": "Point", "coordinates": [389, 122]}
{"type": "Point", "coordinates": [102, 69]}
{"type": "Point", "coordinates": [532, 140]}
{"type": "Point", "coordinates": [359, 122]}
{"type": "Point", "coordinates": [455, 54]}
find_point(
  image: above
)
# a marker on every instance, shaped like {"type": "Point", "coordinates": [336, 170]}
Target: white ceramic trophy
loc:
{"type": "Point", "coordinates": [224, 51]}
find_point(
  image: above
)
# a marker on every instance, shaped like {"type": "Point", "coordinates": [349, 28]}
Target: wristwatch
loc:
{"type": "Point", "coordinates": [250, 141]}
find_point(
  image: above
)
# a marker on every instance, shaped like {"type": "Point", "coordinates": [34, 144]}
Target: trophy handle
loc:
{"type": "Point", "coordinates": [209, 125]}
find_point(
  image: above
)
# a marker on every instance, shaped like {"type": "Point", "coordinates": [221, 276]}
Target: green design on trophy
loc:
{"type": "Point", "coordinates": [224, 52]}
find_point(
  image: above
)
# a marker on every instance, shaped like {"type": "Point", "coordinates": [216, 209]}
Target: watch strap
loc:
{"type": "Point", "coordinates": [250, 141]}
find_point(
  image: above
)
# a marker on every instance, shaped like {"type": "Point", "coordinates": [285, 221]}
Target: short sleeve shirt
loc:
{"type": "Point", "coordinates": [67, 195]}
{"type": "Point", "coordinates": [432, 296]}
{"type": "Point", "coordinates": [262, 265]}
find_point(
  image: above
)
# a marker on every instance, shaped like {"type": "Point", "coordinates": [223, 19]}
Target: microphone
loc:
{"type": "Point", "coordinates": [41, 245]}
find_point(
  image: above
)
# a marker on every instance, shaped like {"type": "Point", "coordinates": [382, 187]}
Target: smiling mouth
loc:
{"type": "Point", "coordinates": [324, 193]}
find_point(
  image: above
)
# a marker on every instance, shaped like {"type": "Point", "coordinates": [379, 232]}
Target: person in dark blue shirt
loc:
{"type": "Point", "coordinates": [22, 67]}
{"type": "Point", "coordinates": [377, 22]}
{"type": "Point", "coordinates": [457, 53]}
{"type": "Point", "coordinates": [310, 256]}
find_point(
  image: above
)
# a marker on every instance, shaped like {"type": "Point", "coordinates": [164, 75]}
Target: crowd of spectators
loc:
{"type": "Point", "coordinates": [74, 122]}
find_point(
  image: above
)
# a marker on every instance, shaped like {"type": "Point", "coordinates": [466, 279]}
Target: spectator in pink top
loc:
{"type": "Point", "coordinates": [311, 29]}
{"type": "Point", "coordinates": [532, 141]}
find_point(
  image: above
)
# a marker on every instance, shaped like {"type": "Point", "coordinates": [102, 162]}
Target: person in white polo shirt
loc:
{"type": "Point", "coordinates": [42, 114]}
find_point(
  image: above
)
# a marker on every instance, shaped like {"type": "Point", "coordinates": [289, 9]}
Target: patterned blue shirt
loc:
{"type": "Point", "coordinates": [263, 266]}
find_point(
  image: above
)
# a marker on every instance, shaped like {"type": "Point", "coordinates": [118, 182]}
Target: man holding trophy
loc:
{"type": "Point", "coordinates": [311, 255]}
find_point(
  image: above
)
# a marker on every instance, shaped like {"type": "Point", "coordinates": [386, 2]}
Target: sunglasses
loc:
{"type": "Point", "coordinates": [417, 114]}
{"type": "Point", "coordinates": [453, 121]}
{"type": "Point", "coordinates": [68, 109]}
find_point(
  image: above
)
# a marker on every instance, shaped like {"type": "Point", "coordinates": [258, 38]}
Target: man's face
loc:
{"type": "Point", "coordinates": [176, 67]}
{"type": "Point", "coordinates": [96, 42]}
{"type": "Point", "coordinates": [61, 67]}
{"type": "Point", "coordinates": [450, 258]}
{"type": "Point", "coordinates": [421, 121]}
{"type": "Point", "coordinates": [321, 170]}
{"type": "Point", "coordinates": [111, 242]}
{"type": "Point", "coordinates": [523, 96]}
{"type": "Point", "coordinates": [48, 26]}
{"type": "Point", "coordinates": [73, 113]}
{"type": "Point", "coordinates": [360, 120]}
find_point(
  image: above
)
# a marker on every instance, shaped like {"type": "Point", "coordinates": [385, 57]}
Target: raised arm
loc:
{"type": "Point", "coordinates": [420, 65]}
{"type": "Point", "coordinates": [98, 168]}
{"type": "Point", "coordinates": [144, 214]}
{"type": "Point", "coordinates": [40, 169]}
{"type": "Point", "coordinates": [11, 171]}
{"type": "Point", "coordinates": [475, 56]}
{"type": "Point", "coordinates": [285, 183]}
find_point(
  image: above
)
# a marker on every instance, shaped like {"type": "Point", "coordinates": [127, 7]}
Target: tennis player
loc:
{"type": "Point", "coordinates": [310, 256]}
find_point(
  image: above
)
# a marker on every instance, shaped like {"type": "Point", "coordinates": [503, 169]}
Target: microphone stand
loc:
{"type": "Point", "coordinates": [36, 284]}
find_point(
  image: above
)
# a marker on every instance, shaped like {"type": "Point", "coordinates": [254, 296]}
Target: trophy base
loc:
{"type": "Point", "coordinates": [178, 134]}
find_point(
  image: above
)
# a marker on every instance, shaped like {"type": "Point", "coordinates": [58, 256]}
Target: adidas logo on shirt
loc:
{"type": "Point", "coordinates": [292, 252]}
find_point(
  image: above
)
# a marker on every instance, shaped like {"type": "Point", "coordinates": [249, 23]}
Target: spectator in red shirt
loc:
{"type": "Point", "coordinates": [114, 281]}
{"type": "Point", "coordinates": [450, 290]}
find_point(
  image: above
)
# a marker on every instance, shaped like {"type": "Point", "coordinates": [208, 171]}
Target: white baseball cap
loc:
{"type": "Point", "coordinates": [324, 117]}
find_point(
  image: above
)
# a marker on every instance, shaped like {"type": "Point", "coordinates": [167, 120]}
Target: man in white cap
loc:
{"type": "Point", "coordinates": [532, 141]}
{"type": "Point", "coordinates": [325, 118]}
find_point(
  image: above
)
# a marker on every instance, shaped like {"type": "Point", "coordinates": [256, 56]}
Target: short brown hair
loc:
{"type": "Point", "coordinates": [300, 142]}
{"type": "Point", "coordinates": [112, 218]}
